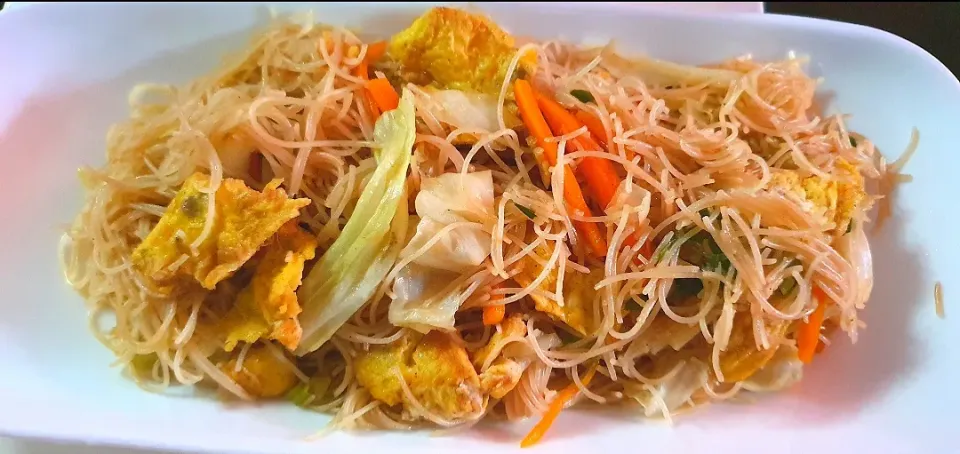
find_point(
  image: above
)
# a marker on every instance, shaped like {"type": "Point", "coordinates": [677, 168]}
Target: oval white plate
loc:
{"type": "Point", "coordinates": [66, 72]}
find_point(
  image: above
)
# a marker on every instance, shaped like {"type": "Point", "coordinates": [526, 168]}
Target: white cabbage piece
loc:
{"type": "Point", "coordinates": [670, 395]}
{"type": "Point", "coordinates": [678, 390]}
{"type": "Point", "coordinates": [630, 196]}
{"type": "Point", "coordinates": [425, 298]}
{"type": "Point", "coordinates": [430, 289]}
{"type": "Point", "coordinates": [458, 250]}
{"type": "Point", "coordinates": [782, 371]}
{"type": "Point", "coordinates": [452, 197]}
{"type": "Point", "coordinates": [466, 110]}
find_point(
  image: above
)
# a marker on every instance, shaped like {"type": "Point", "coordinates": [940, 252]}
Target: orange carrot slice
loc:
{"type": "Point", "coordinates": [383, 94]}
{"type": "Point", "coordinates": [556, 405]}
{"type": "Point", "coordinates": [600, 174]}
{"type": "Point", "coordinates": [572, 194]}
{"type": "Point", "coordinates": [595, 126]}
{"type": "Point", "coordinates": [809, 334]}
{"type": "Point", "coordinates": [493, 314]}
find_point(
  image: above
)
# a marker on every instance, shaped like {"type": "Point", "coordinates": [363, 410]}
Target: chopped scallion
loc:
{"type": "Point", "coordinates": [583, 95]}
{"type": "Point", "coordinates": [526, 211]}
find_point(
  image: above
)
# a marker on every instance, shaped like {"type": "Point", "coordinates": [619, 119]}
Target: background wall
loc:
{"type": "Point", "coordinates": [933, 26]}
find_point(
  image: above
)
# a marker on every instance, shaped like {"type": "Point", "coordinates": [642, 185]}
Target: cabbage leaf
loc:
{"type": "Point", "coordinates": [430, 289]}
{"type": "Point", "coordinates": [351, 270]}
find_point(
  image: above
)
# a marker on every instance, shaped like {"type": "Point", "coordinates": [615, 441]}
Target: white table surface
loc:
{"type": "Point", "coordinates": [19, 446]}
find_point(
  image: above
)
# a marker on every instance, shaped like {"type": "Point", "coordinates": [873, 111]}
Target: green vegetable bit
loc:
{"type": "Point", "coordinates": [583, 95]}
{"type": "Point", "coordinates": [684, 288]}
{"type": "Point", "coordinates": [712, 258]}
{"type": "Point", "coordinates": [312, 392]}
{"type": "Point", "coordinates": [300, 395]}
{"type": "Point", "coordinates": [787, 286]}
{"type": "Point", "coordinates": [526, 211]}
{"type": "Point", "coordinates": [718, 261]}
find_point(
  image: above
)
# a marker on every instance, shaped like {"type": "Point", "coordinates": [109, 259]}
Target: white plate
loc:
{"type": "Point", "coordinates": [66, 71]}
{"type": "Point", "coordinates": [716, 7]}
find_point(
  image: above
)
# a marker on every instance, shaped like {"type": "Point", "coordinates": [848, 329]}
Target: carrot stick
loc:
{"type": "Point", "coordinates": [647, 249]}
{"type": "Point", "coordinates": [383, 94]}
{"type": "Point", "coordinates": [533, 119]}
{"type": "Point", "coordinates": [809, 334]}
{"type": "Point", "coordinates": [556, 405]}
{"type": "Point", "coordinates": [493, 314]}
{"type": "Point", "coordinates": [375, 51]}
{"type": "Point", "coordinates": [363, 71]}
{"type": "Point", "coordinates": [595, 126]}
{"type": "Point", "coordinates": [589, 232]}
{"type": "Point", "coordinates": [600, 174]}
{"type": "Point", "coordinates": [601, 178]}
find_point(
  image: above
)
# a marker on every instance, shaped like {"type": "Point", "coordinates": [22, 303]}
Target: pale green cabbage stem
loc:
{"type": "Point", "coordinates": [348, 274]}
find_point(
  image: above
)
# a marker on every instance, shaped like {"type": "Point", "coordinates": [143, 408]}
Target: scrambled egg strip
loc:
{"type": "Point", "coordinates": [504, 372]}
{"type": "Point", "coordinates": [739, 361]}
{"type": "Point", "coordinates": [578, 292]}
{"type": "Point", "coordinates": [261, 374]}
{"type": "Point", "coordinates": [435, 368]}
{"type": "Point", "coordinates": [243, 219]}
{"type": "Point", "coordinates": [448, 48]}
{"type": "Point", "coordinates": [268, 306]}
{"type": "Point", "coordinates": [832, 200]}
